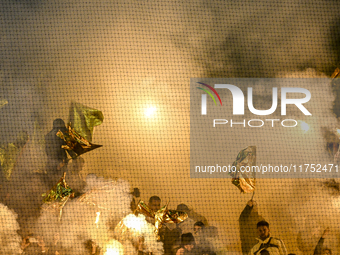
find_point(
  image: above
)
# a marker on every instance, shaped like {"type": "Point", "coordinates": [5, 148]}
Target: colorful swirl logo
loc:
{"type": "Point", "coordinates": [207, 91]}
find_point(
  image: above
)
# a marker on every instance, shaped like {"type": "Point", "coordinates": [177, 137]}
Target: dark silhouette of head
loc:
{"type": "Point", "coordinates": [154, 203]}
{"type": "Point", "coordinates": [198, 227]}
{"type": "Point", "coordinates": [58, 123]}
{"type": "Point", "coordinates": [182, 208]}
{"type": "Point", "coordinates": [188, 241]}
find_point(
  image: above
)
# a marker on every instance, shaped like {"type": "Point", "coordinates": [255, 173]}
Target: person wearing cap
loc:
{"type": "Point", "coordinates": [187, 244]}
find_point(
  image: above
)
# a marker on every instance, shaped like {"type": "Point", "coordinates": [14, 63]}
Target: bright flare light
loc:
{"type": "Point", "coordinates": [150, 111]}
{"type": "Point", "coordinates": [97, 218]}
{"type": "Point", "coordinates": [304, 126]}
{"type": "Point", "coordinates": [114, 248]}
{"type": "Point", "coordinates": [112, 251]}
{"type": "Point", "coordinates": [136, 223]}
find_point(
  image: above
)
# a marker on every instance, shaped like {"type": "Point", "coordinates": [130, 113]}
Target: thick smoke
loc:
{"type": "Point", "coordinates": [318, 206]}
{"type": "Point", "coordinates": [90, 217]}
{"type": "Point", "coordinates": [99, 53]}
{"type": "Point", "coordinates": [10, 240]}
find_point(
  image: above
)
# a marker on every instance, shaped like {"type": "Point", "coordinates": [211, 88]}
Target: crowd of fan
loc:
{"type": "Point", "coordinates": [178, 239]}
{"type": "Point", "coordinates": [202, 237]}
{"type": "Point", "coordinates": [198, 239]}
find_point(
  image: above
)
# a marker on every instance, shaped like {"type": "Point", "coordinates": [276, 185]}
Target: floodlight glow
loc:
{"type": "Point", "coordinates": [150, 111]}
